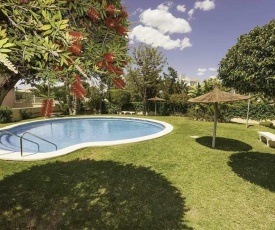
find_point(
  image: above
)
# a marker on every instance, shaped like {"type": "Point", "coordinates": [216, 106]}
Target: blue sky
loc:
{"type": "Point", "coordinates": [195, 35]}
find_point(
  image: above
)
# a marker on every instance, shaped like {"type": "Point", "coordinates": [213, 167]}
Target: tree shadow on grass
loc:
{"type": "Point", "coordinates": [255, 167]}
{"type": "Point", "coordinates": [88, 194]}
{"type": "Point", "coordinates": [225, 144]}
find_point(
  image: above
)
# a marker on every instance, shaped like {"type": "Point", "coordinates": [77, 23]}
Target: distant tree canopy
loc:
{"type": "Point", "coordinates": [249, 66]}
{"type": "Point", "coordinates": [143, 73]}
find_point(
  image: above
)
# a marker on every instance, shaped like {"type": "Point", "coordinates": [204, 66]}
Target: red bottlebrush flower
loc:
{"type": "Point", "coordinates": [124, 13]}
{"type": "Point", "coordinates": [93, 14]}
{"type": "Point", "coordinates": [118, 20]}
{"type": "Point", "coordinates": [111, 68]}
{"type": "Point", "coordinates": [121, 30]}
{"type": "Point", "coordinates": [109, 57]}
{"type": "Point", "coordinates": [100, 64]}
{"type": "Point", "coordinates": [47, 107]}
{"type": "Point", "coordinates": [76, 48]}
{"type": "Point", "coordinates": [119, 83]}
{"type": "Point", "coordinates": [77, 88]}
{"type": "Point", "coordinates": [77, 36]}
{"type": "Point", "coordinates": [118, 71]}
{"type": "Point", "coordinates": [124, 63]}
{"type": "Point", "coordinates": [110, 10]}
{"type": "Point", "coordinates": [110, 23]}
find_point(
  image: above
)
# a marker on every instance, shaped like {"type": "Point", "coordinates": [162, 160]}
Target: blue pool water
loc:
{"type": "Point", "coordinates": [70, 131]}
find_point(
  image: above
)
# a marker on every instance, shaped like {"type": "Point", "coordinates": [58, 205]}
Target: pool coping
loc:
{"type": "Point", "coordinates": [27, 156]}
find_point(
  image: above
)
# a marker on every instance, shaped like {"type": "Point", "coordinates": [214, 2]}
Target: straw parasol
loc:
{"type": "Point", "coordinates": [217, 96]}
{"type": "Point", "coordinates": [155, 99]}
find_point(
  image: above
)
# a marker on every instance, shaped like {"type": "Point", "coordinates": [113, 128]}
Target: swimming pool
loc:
{"type": "Point", "coordinates": [59, 136]}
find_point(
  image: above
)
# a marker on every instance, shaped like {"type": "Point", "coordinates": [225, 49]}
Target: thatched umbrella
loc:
{"type": "Point", "coordinates": [155, 99]}
{"type": "Point", "coordinates": [217, 96]}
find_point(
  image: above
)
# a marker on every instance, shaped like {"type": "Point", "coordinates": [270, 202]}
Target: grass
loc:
{"type": "Point", "coordinates": [173, 182]}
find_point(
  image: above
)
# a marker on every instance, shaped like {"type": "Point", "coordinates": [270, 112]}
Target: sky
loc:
{"type": "Point", "coordinates": [194, 35]}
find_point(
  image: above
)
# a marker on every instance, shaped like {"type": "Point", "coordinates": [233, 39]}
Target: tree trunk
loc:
{"type": "Point", "coordinates": [8, 84]}
{"type": "Point", "coordinates": [144, 101]}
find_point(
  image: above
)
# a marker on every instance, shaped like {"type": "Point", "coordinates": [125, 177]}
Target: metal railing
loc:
{"type": "Point", "coordinates": [23, 138]}
{"type": "Point", "coordinates": [10, 133]}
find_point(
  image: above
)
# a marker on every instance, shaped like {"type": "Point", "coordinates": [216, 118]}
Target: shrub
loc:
{"type": "Point", "coordinates": [5, 114]}
{"type": "Point", "coordinates": [112, 108]}
{"type": "Point", "coordinates": [26, 114]}
{"type": "Point", "coordinates": [138, 106]}
{"type": "Point", "coordinates": [206, 112]}
{"type": "Point", "coordinates": [256, 112]}
{"type": "Point", "coordinates": [266, 124]}
{"type": "Point", "coordinates": [178, 105]}
{"type": "Point", "coordinates": [119, 97]}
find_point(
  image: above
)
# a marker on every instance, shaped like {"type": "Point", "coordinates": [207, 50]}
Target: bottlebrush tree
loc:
{"type": "Point", "coordinates": [42, 39]}
{"type": "Point", "coordinates": [47, 107]}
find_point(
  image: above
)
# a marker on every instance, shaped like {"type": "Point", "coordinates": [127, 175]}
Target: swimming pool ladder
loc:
{"type": "Point", "coordinates": [22, 138]}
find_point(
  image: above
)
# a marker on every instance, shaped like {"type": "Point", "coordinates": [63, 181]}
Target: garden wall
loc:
{"type": "Point", "coordinates": [34, 110]}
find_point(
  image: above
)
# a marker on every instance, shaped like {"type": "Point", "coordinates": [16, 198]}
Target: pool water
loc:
{"type": "Point", "coordinates": [70, 131]}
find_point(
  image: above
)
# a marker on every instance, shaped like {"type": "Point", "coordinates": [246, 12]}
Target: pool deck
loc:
{"type": "Point", "coordinates": [27, 156]}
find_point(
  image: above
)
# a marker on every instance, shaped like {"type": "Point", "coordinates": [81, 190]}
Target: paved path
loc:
{"type": "Point", "coordinates": [243, 121]}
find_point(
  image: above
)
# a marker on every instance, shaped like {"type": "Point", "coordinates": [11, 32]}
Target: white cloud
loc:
{"type": "Point", "coordinates": [212, 77]}
{"type": "Point", "coordinates": [181, 8]}
{"type": "Point", "coordinates": [212, 69]}
{"type": "Point", "coordinates": [163, 7]}
{"type": "Point", "coordinates": [169, 3]}
{"type": "Point", "coordinates": [205, 5]}
{"type": "Point", "coordinates": [137, 11]}
{"type": "Point", "coordinates": [201, 71]}
{"type": "Point", "coordinates": [164, 21]}
{"type": "Point", "coordinates": [155, 38]}
{"type": "Point", "coordinates": [190, 13]}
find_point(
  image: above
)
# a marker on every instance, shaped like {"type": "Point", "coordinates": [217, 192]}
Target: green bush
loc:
{"type": "Point", "coordinates": [128, 107]}
{"type": "Point", "coordinates": [266, 124]}
{"type": "Point", "coordinates": [228, 111]}
{"type": "Point", "coordinates": [5, 114]}
{"type": "Point", "coordinates": [119, 97]}
{"type": "Point", "coordinates": [138, 106]}
{"type": "Point", "coordinates": [206, 112]}
{"type": "Point", "coordinates": [112, 108]}
{"type": "Point", "coordinates": [201, 112]}
{"type": "Point", "coordinates": [177, 104]}
{"type": "Point", "coordinates": [256, 111]}
{"type": "Point", "coordinates": [26, 114]}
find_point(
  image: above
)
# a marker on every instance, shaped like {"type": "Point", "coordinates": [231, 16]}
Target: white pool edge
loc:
{"type": "Point", "coordinates": [16, 156]}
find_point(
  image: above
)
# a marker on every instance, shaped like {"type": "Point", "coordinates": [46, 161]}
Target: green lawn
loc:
{"type": "Point", "coordinates": [173, 182]}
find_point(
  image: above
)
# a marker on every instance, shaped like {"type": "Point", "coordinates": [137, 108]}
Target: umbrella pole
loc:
{"type": "Point", "coordinates": [155, 108]}
{"type": "Point", "coordinates": [215, 124]}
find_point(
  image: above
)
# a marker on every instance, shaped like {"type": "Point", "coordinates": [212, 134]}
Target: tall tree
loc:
{"type": "Point", "coordinates": [249, 66]}
{"type": "Point", "coordinates": [169, 81]}
{"type": "Point", "coordinates": [143, 73]}
{"type": "Point", "coordinates": [62, 40]}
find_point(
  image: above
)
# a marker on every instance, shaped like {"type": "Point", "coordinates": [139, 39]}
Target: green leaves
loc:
{"type": "Point", "coordinates": [4, 60]}
{"type": "Point", "coordinates": [4, 43]}
{"type": "Point", "coordinates": [249, 65]}
{"type": "Point", "coordinates": [37, 37]}
{"type": "Point", "coordinates": [45, 27]}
